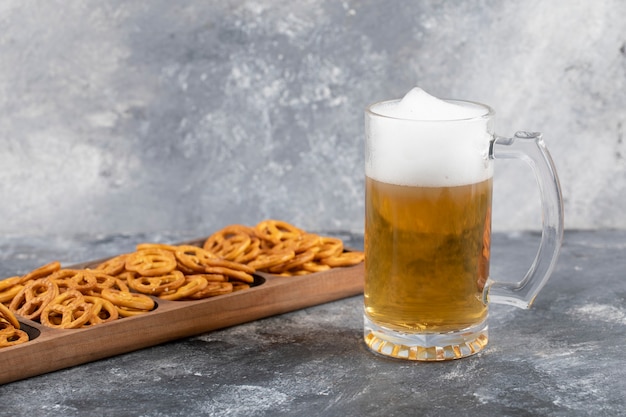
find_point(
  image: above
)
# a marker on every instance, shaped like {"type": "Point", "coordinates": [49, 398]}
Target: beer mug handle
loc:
{"type": "Point", "coordinates": [529, 147]}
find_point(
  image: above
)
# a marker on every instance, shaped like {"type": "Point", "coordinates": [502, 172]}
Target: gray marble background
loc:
{"type": "Point", "coordinates": [147, 116]}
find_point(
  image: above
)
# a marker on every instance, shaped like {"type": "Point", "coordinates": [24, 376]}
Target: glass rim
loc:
{"type": "Point", "coordinates": [489, 112]}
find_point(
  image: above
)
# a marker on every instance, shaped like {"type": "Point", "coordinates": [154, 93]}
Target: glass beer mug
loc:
{"type": "Point", "coordinates": [429, 170]}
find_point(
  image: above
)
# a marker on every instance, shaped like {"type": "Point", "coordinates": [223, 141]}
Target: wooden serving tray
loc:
{"type": "Point", "coordinates": [53, 349]}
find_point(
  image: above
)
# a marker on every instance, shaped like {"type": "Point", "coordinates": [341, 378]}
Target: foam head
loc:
{"type": "Point", "coordinates": [417, 104]}
{"type": "Point", "coordinates": [425, 141]}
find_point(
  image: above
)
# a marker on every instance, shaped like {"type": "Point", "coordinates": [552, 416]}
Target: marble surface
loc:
{"type": "Point", "coordinates": [563, 357]}
{"type": "Point", "coordinates": [156, 115]}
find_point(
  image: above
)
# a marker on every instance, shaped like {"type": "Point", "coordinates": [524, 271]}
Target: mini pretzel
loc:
{"type": "Point", "coordinates": [33, 298]}
{"type": "Point", "coordinates": [78, 279]}
{"type": "Point", "coordinates": [315, 267]}
{"type": "Point", "coordinates": [9, 288]}
{"type": "Point", "coordinates": [8, 315]}
{"type": "Point", "coordinates": [276, 231]}
{"type": "Point", "coordinates": [113, 266]}
{"type": "Point", "coordinates": [103, 280]}
{"type": "Point", "coordinates": [344, 259]}
{"type": "Point", "coordinates": [230, 242]}
{"type": "Point", "coordinates": [8, 283]}
{"type": "Point", "coordinates": [121, 280]}
{"type": "Point", "coordinates": [107, 281]}
{"type": "Point", "coordinates": [223, 263]}
{"type": "Point", "coordinates": [128, 299]}
{"type": "Point", "coordinates": [190, 287]}
{"type": "Point", "coordinates": [11, 336]}
{"type": "Point", "coordinates": [210, 277]}
{"type": "Point", "coordinates": [102, 311]}
{"type": "Point", "coordinates": [67, 311]}
{"type": "Point", "coordinates": [307, 241]}
{"type": "Point", "coordinates": [300, 243]}
{"type": "Point", "coordinates": [212, 289]}
{"type": "Point", "coordinates": [268, 260]}
{"type": "Point", "coordinates": [330, 246]}
{"type": "Point", "coordinates": [63, 285]}
{"type": "Point", "coordinates": [160, 246]}
{"type": "Point", "coordinates": [193, 257]}
{"type": "Point", "coordinates": [295, 273]}
{"type": "Point", "coordinates": [252, 251]}
{"type": "Point", "coordinates": [185, 270]}
{"type": "Point", "coordinates": [231, 273]}
{"type": "Point", "coordinates": [238, 286]}
{"type": "Point", "coordinates": [294, 263]}
{"type": "Point", "coordinates": [84, 280]}
{"type": "Point", "coordinates": [157, 285]}
{"type": "Point", "coordinates": [41, 272]}
{"type": "Point", "coordinates": [151, 262]}
{"type": "Point", "coordinates": [130, 312]}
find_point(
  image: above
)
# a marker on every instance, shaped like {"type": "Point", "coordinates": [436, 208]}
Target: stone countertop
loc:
{"type": "Point", "coordinates": [563, 357]}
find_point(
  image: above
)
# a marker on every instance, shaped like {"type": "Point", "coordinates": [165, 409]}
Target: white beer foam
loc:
{"type": "Point", "coordinates": [417, 104]}
{"type": "Point", "coordinates": [425, 141]}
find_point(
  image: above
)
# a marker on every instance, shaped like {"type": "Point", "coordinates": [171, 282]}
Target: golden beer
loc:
{"type": "Point", "coordinates": [427, 255]}
{"type": "Point", "coordinates": [429, 169]}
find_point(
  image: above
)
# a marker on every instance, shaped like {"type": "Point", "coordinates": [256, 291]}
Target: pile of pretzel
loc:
{"type": "Point", "coordinates": [10, 333]}
{"type": "Point", "coordinates": [125, 285]}
{"type": "Point", "coordinates": [280, 248]}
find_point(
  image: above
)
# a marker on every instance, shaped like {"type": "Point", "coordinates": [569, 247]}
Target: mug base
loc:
{"type": "Point", "coordinates": [425, 346]}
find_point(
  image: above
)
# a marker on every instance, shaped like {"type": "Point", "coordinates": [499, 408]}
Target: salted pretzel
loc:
{"type": "Point", "coordinates": [212, 289]}
{"type": "Point", "coordinates": [9, 288]}
{"type": "Point", "coordinates": [231, 273]}
{"type": "Point", "coordinates": [11, 336]}
{"type": "Point", "coordinates": [276, 231]}
{"type": "Point", "coordinates": [284, 249]}
{"type": "Point", "coordinates": [251, 252]}
{"type": "Point", "coordinates": [151, 262]}
{"type": "Point", "coordinates": [330, 246]}
{"type": "Point", "coordinates": [295, 263]}
{"type": "Point", "coordinates": [41, 272]}
{"type": "Point", "coordinates": [121, 281]}
{"type": "Point", "coordinates": [230, 242]}
{"type": "Point", "coordinates": [160, 246]}
{"type": "Point", "coordinates": [223, 263]}
{"type": "Point", "coordinates": [268, 259]}
{"type": "Point", "coordinates": [238, 286]}
{"type": "Point", "coordinates": [128, 299]}
{"type": "Point", "coordinates": [33, 298]}
{"type": "Point", "coordinates": [67, 311]}
{"type": "Point", "coordinates": [157, 285]}
{"type": "Point", "coordinates": [230, 269]}
{"type": "Point", "coordinates": [76, 279]}
{"type": "Point", "coordinates": [211, 277]}
{"type": "Point", "coordinates": [103, 280]}
{"type": "Point", "coordinates": [344, 259]}
{"type": "Point", "coordinates": [299, 244]}
{"type": "Point", "coordinates": [129, 311]}
{"type": "Point", "coordinates": [191, 286]}
{"type": "Point", "coordinates": [194, 258]}
{"type": "Point", "coordinates": [9, 283]}
{"type": "Point", "coordinates": [308, 241]}
{"type": "Point", "coordinates": [102, 310]}
{"type": "Point", "coordinates": [106, 281]}
{"type": "Point", "coordinates": [113, 266]}
{"type": "Point", "coordinates": [314, 266]}
{"type": "Point", "coordinates": [8, 316]}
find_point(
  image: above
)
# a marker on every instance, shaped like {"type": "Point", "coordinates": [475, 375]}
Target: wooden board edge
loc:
{"type": "Point", "coordinates": [65, 348]}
